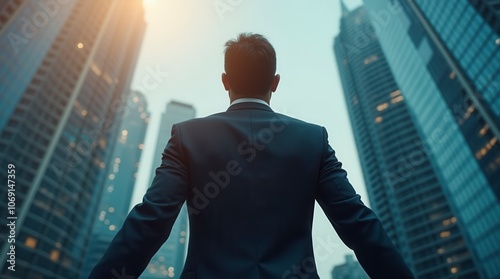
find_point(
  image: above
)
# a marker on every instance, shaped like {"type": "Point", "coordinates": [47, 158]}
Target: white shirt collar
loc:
{"type": "Point", "coordinates": [253, 100]}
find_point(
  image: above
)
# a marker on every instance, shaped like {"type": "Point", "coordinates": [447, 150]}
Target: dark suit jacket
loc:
{"type": "Point", "coordinates": [250, 178]}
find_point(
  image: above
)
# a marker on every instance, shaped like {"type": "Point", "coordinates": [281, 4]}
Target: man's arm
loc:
{"type": "Point", "coordinates": [357, 225]}
{"type": "Point", "coordinates": [149, 223]}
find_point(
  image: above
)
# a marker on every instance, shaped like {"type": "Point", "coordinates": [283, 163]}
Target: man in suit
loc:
{"type": "Point", "coordinates": [250, 178]}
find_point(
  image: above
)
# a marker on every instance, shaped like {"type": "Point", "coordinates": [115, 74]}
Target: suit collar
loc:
{"type": "Point", "coordinates": [249, 105]}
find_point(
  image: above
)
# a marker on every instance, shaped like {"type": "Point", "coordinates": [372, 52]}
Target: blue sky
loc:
{"type": "Point", "coordinates": [183, 54]}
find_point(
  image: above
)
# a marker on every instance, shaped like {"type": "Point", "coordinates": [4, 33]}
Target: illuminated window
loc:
{"type": "Point", "coordinates": [111, 176]}
{"type": "Point", "coordinates": [444, 234]}
{"type": "Point", "coordinates": [30, 242]}
{"type": "Point", "coordinates": [453, 219]}
{"type": "Point", "coordinates": [497, 41]}
{"type": "Point", "coordinates": [171, 272]}
{"type": "Point", "coordinates": [102, 215]}
{"type": "Point", "coordinates": [135, 100]}
{"type": "Point", "coordinates": [96, 69]}
{"type": "Point", "coordinates": [124, 132]}
{"type": "Point", "coordinates": [108, 79]}
{"type": "Point", "coordinates": [452, 75]}
{"type": "Point", "coordinates": [112, 227]}
{"type": "Point", "coordinates": [79, 45]}
{"type": "Point", "coordinates": [378, 119]}
{"type": "Point", "coordinates": [382, 106]}
{"type": "Point", "coordinates": [483, 130]}
{"type": "Point", "coordinates": [111, 209]}
{"type": "Point", "coordinates": [102, 143]}
{"type": "Point", "coordinates": [54, 255]}
{"type": "Point", "coordinates": [182, 240]}
{"type": "Point", "coordinates": [440, 250]}
{"type": "Point", "coordinates": [141, 146]}
{"type": "Point", "coordinates": [118, 160]}
{"type": "Point", "coordinates": [110, 189]}
{"type": "Point", "coordinates": [470, 110]}
{"type": "Point", "coordinates": [395, 93]}
{"type": "Point", "coordinates": [454, 270]}
{"type": "Point", "coordinates": [84, 112]}
{"type": "Point", "coordinates": [486, 148]}
{"type": "Point", "coordinates": [397, 99]}
{"type": "Point", "coordinates": [371, 59]}
{"type": "Point", "coordinates": [102, 165]}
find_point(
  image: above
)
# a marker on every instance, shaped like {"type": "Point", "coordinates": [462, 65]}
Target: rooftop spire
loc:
{"type": "Point", "coordinates": [345, 10]}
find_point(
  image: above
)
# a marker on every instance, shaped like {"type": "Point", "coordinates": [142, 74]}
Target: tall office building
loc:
{"type": "Point", "coordinates": [402, 184]}
{"type": "Point", "coordinates": [446, 57]}
{"type": "Point", "coordinates": [169, 260]}
{"type": "Point", "coordinates": [351, 269]}
{"type": "Point", "coordinates": [119, 186]}
{"type": "Point", "coordinates": [27, 30]}
{"type": "Point", "coordinates": [65, 74]}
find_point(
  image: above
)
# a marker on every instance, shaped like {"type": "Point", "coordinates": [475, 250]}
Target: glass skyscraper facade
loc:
{"type": "Point", "coordinates": [168, 262]}
{"type": "Point", "coordinates": [402, 183]}
{"type": "Point", "coordinates": [119, 186]}
{"type": "Point", "coordinates": [445, 55]}
{"type": "Point", "coordinates": [27, 31]}
{"type": "Point", "coordinates": [65, 88]}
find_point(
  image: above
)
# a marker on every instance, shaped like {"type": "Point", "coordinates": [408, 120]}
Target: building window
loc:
{"type": "Point", "coordinates": [370, 59]}
{"type": "Point", "coordinates": [30, 242]}
{"type": "Point", "coordinates": [483, 130]}
{"type": "Point", "coordinates": [444, 234]}
{"type": "Point", "coordinates": [397, 99]}
{"type": "Point", "coordinates": [378, 119]}
{"type": "Point", "coordinates": [382, 106]}
{"type": "Point", "coordinates": [54, 255]}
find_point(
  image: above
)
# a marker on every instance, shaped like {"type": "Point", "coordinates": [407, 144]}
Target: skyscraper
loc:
{"type": "Point", "coordinates": [351, 269]}
{"type": "Point", "coordinates": [66, 94]}
{"type": "Point", "coordinates": [27, 30]}
{"type": "Point", "coordinates": [402, 183]}
{"type": "Point", "coordinates": [169, 260]}
{"type": "Point", "coordinates": [119, 186]}
{"type": "Point", "coordinates": [445, 56]}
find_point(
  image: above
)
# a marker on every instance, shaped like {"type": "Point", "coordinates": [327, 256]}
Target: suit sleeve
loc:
{"type": "Point", "coordinates": [357, 225]}
{"type": "Point", "coordinates": [149, 223]}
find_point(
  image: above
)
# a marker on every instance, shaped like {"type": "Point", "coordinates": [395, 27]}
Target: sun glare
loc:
{"type": "Point", "coordinates": [149, 3]}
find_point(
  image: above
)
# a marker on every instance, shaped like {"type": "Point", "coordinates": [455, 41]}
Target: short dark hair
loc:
{"type": "Point", "coordinates": [250, 64]}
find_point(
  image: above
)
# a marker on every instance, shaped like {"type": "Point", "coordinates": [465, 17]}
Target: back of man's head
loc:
{"type": "Point", "coordinates": [250, 64]}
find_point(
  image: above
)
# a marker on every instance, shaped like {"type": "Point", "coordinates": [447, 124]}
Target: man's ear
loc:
{"type": "Point", "coordinates": [225, 82]}
{"type": "Point", "coordinates": [274, 84]}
